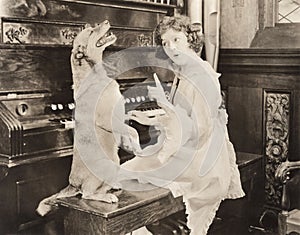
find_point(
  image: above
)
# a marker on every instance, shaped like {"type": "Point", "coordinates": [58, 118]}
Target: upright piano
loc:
{"type": "Point", "coordinates": [36, 99]}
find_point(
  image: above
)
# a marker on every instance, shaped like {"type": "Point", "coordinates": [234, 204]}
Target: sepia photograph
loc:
{"type": "Point", "coordinates": [149, 117]}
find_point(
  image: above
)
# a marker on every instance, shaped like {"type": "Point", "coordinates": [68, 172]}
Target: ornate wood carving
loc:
{"type": "Point", "coordinates": [3, 172]}
{"type": "Point", "coordinates": [144, 40]}
{"type": "Point", "coordinates": [24, 31]}
{"type": "Point", "coordinates": [68, 34]}
{"type": "Point", "coordinates": [277, 109]}
{"type": "Point", "coordinates": [14, 35]}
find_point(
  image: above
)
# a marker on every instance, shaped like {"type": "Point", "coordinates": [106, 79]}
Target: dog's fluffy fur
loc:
{"type": "Point", "coordinates": [87, 52]}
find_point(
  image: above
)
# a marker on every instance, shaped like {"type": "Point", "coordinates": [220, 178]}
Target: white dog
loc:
{"type": "Point", "coordinates": [89, 80]}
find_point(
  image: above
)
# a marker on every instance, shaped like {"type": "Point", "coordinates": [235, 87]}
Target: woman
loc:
{"type": "Point", "coordinates": [210, 174]}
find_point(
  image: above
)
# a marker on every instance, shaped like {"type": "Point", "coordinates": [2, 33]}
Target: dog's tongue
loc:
{"type": "Point", "coordinates": [104, 39]}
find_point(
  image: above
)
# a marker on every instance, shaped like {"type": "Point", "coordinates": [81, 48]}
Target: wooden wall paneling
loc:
{"type": "Point", "coordinates": [270, 80]}
{"type": "Point", "coordinates": [295, 127]}
{"type": "Point", "coordinates": [245, 119]}
{"type": "Point", "coordinates": [260, 79]}
{"type": "Point", "coordinates": [259, 61]}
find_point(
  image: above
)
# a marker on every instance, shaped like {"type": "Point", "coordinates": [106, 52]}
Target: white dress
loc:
{"type": "Point", "coordinates": [204, 170]}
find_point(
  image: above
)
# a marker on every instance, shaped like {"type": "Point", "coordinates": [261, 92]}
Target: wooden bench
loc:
{"type": "Point", "coordinates": [135, 209]}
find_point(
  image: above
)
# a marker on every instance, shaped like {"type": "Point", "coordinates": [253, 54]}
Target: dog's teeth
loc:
{"type": "Point", "coordinates": [104, 39]}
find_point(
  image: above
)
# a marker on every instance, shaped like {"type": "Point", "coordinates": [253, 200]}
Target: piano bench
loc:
{"type": "Point", "coordinates": [134, 210]}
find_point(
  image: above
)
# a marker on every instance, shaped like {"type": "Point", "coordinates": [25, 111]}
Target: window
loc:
{"type": "Point", "coordinates": [288, 11]}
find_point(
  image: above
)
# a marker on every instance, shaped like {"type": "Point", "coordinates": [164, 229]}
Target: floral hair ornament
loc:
{"type": "Point", "coordinates": [195, 37]}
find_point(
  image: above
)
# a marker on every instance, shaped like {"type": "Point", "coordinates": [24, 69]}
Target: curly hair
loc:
{"type": "Point", "coordinates": [181, 23]}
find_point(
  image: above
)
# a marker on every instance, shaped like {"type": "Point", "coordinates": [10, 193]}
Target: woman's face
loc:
{"type": "Point", "coordinates": [176, 46]}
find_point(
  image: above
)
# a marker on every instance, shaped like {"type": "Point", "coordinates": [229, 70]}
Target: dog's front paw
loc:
{"type": "Point", "coordinates": [116, 186]}
{"type": "Point", "coordinates": [111, 198]}
{"type": "Point", "coordinates": [103, 197]}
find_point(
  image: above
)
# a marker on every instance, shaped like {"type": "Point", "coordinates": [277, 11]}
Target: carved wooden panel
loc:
{"type": "Point", "coordinates": [23, 31]}
{"type": "Point", "coordinates": [277, 111]}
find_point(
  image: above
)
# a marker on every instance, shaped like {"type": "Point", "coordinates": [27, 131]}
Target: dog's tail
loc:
{"type": "Point", "coordinates": [48, 204]}
{"type": "Point", "coordinates": [45, 206]}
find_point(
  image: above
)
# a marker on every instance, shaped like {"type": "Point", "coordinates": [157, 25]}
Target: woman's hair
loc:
{"type": "Point", "coordinates": [181, 23]}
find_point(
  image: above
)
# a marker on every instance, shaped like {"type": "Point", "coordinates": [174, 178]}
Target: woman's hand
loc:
{"type": "Point", "coordinates": [158, 93]}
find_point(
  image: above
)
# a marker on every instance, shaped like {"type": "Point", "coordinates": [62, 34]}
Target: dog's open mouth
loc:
{"type": "Point", "coordinates": [107, 38]}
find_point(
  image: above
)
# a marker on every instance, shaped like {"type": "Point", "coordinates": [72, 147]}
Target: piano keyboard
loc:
{"type": "Point", "coordinates": [136, 98]}
{"type": "Point", "coordinates": [148, 112]}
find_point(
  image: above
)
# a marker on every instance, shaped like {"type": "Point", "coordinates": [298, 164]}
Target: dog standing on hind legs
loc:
{"type": "Point", "coordinates": [88, 76]}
